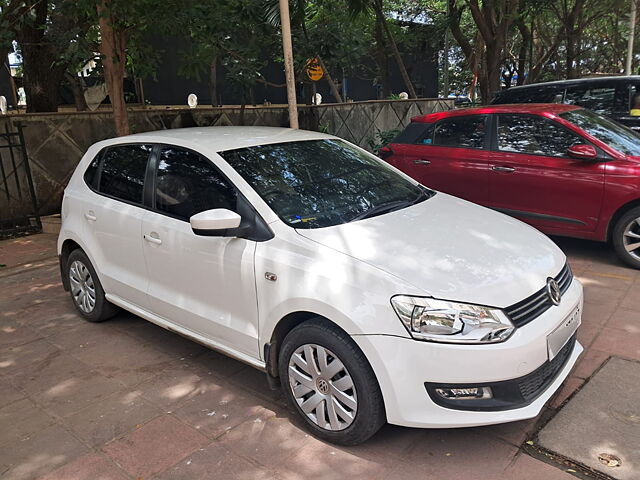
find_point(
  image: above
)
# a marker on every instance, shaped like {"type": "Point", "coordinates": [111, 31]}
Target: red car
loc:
{"type": "Point", "coordinates": [561, 168]}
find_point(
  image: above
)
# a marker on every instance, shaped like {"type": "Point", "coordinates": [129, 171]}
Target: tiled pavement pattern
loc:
{"type": "Point", "coordinates": [128, 400]}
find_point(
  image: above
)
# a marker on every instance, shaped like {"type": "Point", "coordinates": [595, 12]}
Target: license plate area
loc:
{"type": "Point", "coordinates": [563, 332]}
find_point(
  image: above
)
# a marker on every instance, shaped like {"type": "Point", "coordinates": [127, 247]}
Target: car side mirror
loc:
{"type": "Point", "coordinates": [215, 223]}
{"type": "Point", "coordinates": [583, 152]}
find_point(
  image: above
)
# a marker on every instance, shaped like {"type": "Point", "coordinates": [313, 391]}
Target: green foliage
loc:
{"type": "Point", "coordinates": [381, 139]}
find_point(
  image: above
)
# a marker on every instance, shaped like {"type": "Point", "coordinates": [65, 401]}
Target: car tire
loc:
{"type": "Point", "coordinates": [86, 290]}
{"type": "Point", "coordinates": [626, 232]}
{"type": "Point", "coordinates": [349, 407]}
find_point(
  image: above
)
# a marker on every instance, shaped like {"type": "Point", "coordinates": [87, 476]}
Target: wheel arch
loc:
{"type": "Point", "coordinates": [68, 246]}
{"type": "Point", "coordinates": [618, 214]}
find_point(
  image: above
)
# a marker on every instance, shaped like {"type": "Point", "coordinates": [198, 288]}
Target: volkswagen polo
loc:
{"type": "Point", "coordinates": [365, 295]}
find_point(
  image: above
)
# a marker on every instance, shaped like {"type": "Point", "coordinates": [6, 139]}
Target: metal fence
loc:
{"type": "Point", "coordinates": [18, 204]}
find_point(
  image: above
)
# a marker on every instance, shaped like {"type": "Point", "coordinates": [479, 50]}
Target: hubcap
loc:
{"type": "Point", "coordinates": [322, 387]}
{"type": "Point", "coordinates": [82, 286]}
{"type": "Point", "coordinates": [631, 238]}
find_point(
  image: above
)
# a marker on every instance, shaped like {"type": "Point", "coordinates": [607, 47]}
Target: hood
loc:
{"type": "Point", "coordinates": [451, 249]}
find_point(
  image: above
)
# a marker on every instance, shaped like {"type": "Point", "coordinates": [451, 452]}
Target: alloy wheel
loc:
{"type": "Point", "coordinates": [631, 238]}
{"type": "Point", "coordinates": [82, 286]}
{"type": "Point", "coordinates": [322, 387]}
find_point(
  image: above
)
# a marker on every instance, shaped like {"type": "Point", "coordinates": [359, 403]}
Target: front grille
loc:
{"type": "Point", "coordinates": [536, 382]}
{"type": "Point", "coordinates": [532, 307]}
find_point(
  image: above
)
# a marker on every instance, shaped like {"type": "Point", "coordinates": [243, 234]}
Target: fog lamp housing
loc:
{"type": "Point", "coordinates": [467, 393]}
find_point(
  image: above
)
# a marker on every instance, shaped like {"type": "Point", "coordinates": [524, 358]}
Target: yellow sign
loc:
{"type": "Point", "coordinates": [314, 70]}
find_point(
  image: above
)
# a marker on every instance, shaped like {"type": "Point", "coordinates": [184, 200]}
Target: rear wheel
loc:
{"type": "Point", "coordinates": [626, 237]}
{"type": "Point", "coordinates": [328, 381]}
{"type": "Point", "coordinates": [86, 290]}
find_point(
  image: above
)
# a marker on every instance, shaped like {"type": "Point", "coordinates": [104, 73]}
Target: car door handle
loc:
{"type": "Point", "coordinates": [153, 238]}
{"type": "Point", "coordinates": [421, 161]}
{"type": "Point", "coordinates": [503, 169]}
{"type": "Point", "coordinates": [90, 216]}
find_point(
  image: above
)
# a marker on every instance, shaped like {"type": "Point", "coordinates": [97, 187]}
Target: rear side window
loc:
{"type": "Point", "coordinates": [535, 136]}
{"type": "Point", "coordinates": [533, 94]}
{"type": "Point", "coordinates": [416, 133]}
{"type": "Point", "coordinates": [91, 175]}
{"type": "Point", "coordinates": [461, 132]}
{"type": "Point", "coordinates": [187, 183]}
{"type": "Point", "coordinates": [123, 170]}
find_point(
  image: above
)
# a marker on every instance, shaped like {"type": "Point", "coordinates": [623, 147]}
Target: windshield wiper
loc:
{"type": "Point", "coordinates": [382, 208]}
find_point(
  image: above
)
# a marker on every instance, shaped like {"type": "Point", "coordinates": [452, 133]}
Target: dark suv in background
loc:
{"type": "Point", "coordinates": [609, 96]}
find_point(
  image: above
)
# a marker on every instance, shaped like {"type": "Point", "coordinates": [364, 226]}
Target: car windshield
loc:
{"type": "Point", "coordinates": [320, 183]}
{"type": "Point", "coordinates": [617, 136]}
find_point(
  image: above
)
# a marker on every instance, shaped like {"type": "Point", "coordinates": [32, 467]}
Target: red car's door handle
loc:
{"type": "Point", "coordinates": [421, 161]}
{"type": "Point", "coordinates": [503, 169]}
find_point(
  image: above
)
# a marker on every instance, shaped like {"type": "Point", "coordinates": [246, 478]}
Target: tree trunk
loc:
{"type": "Point", "coordinates": [213, 81]}
{"type": "Point", "coordinates": [394, 49]}
{"type": "Point", "coordinates": [112, 49]}
{"type": "Point", "coordinates": [381, 60]}
{"type": "Point", "coordinates": [332, 85]}
{"type": "Point", "coordinates": [77, 90]}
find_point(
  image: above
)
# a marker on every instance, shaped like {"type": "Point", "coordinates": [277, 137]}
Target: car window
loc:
{"type": "Point", "coordinates": [123, 170]}
{"type": "Point", "coordinates": [91, 174]}
{"type": "Point", "coordinates": [416, 133]}
{"type": "Point", "coordinates": [461, 132]}
{"type": "Point", "coordinates": [619, 137]}
{"type": "Point", "coordinates": [602, 99]}
{"type": "Point", "coordinates": [187, 183]}
{"type": "Point", "coordinates": [533, 94]}
{"type": "Point", "coordinates": [320, 183]}
{"type": "Point", "coordinates": [534, 135]}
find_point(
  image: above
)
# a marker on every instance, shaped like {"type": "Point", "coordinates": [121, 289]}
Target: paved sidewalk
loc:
{"type": "Point", "coordinates": [126, 399]}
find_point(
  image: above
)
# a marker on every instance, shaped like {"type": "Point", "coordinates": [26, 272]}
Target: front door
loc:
{"type": "Point", "coordinates": [204, 284]}
{"type": "Point", "coordinates": [534, 179]}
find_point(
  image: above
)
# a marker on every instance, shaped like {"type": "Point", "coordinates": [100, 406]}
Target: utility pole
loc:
{"type": "Point", "coordinates": [632, 34]}
{"type": "Point", "coordinates": [287, 49]}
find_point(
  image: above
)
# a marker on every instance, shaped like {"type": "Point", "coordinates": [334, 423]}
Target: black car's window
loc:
{"type": "Point", "coordinates": [187, 183]}
{"type": "Point", "coordinates": [91, 174]}
{"type": "Point", "coordinates": [461, 132]}
{"type": "Point", "coordinates": [602, 99]}
{"type": "Point", "coordinates": [319, 183]}
{"type": "Point", "coordinates": [617, 136]}
{"type": "Point", "coordinates": [534, 135]}
{"type": "Point", "coordinates": [123, 170]}
{"type": "Point", "coordinates": [416, 133]}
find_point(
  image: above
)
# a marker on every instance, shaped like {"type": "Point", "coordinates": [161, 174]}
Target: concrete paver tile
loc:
{"type": "Point", "coordinates": [93, 466]}
{"type": "Point", "coordinates": [39, 453]}
{"type": "Point", "coordinates": [219, 410]}
{"type": "Point", "coordinates": [627, 320]}
{"type": "Point", "coordinates": [215, 461]}
{"type": "Point", "coordinates": [618, 342]}
{"type": "Point", "coordinates": [155, 446]}
{"type": "Point", "coordinates": [525, 467]}
{"type": "Point", "coordinates": [14, 358]}
{"type": "Point", "coordinates": [102, 421]}
{"type": "Point", "coordinates": [589, 362]}
{"type": "Point", "coordinates": [20, 419]}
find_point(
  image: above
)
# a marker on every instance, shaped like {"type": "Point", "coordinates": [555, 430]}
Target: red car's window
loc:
{"type": "Point", "coordinates": [534, 135]}
{"type": "Point", "coordinates": [461, 132]}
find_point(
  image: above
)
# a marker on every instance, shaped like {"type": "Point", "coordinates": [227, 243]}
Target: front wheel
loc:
{"type": "Point", "coordinates": [328, 381]}
{"type": "Point", "coordinates": [626, 237]}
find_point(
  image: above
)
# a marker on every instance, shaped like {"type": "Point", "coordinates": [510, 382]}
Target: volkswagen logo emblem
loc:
{"type": "Point", "coordinates": [553, 291]}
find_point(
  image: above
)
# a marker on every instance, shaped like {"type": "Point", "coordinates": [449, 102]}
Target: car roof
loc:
{"type": "Point", "coordinates": [573, 81]}
{"type": "Point", "coordinates": [535, 108]}
{"type": "Point", "coordinates": [219, 139]}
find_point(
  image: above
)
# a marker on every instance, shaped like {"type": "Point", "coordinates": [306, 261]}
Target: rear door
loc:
{"type": "Point", "coordinates": [113, 220]}
{"type": "Point", "coordinates": [451, 156]}
{"type": "Point", "coordinates": [534, 179]}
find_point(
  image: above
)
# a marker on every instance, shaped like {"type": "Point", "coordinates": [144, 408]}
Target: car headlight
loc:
{"type": "Point", "coordinates": [451, 322]}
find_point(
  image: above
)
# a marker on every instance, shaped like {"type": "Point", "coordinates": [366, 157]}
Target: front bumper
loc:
{"type": "Point", "coordinates": [403, 366]}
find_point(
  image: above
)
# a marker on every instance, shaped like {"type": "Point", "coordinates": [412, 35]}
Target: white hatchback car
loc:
{"type": "Point", "coordinates": [368, 296]}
